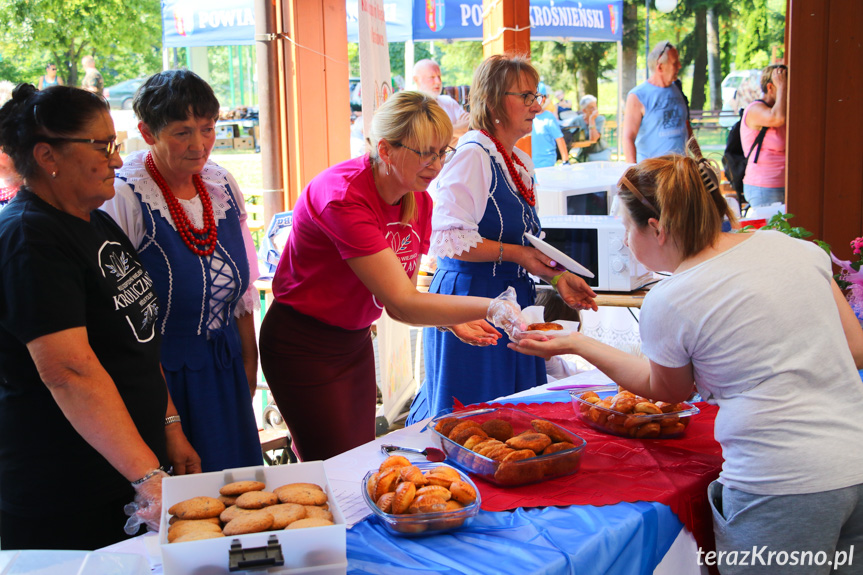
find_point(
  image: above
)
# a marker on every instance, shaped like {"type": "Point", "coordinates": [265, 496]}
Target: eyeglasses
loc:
{"type": "Point", "coordinates": [529, 98]}
{"type": "Point", "coordinates": [428, 158]}
{"type": "Point", "coordinates": [111, 146]}
{"type": "Point", "coordinates": [667, 46]}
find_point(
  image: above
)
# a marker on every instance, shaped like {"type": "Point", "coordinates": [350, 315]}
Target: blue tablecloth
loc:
{"type": "Point", "coordinates": [622, 539]}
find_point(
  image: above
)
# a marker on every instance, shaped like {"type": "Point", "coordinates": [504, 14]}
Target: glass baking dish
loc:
{"type": "Point", "coordinates": [407, 524]}
{"type": "Point", "coordinates": [665, 425]}
{"type": "Point", "coordinates": [511, 472]}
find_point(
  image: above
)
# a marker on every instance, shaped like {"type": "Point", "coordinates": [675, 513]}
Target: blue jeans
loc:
{"type": "Point", "coordinates": [758, 196]}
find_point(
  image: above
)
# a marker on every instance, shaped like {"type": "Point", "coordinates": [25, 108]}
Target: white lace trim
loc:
{"type": "Point", "coordinates": [450, 243]}
{"type": "Point", "coordinates": [249, 302]}
{"type": "Point", "coordinates": [485, 142]}
{"type": "Point", "coordinates": [215, 181]}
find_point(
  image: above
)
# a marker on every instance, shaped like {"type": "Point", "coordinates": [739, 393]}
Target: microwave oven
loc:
{"type": "Point", "coordinates": [596, 242]}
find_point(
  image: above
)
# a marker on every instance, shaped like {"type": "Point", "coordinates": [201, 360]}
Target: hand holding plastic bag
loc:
{"type": "Point", "coordinates": [146, 509]}
{"type": "Point", "coordinates": [505, 313]}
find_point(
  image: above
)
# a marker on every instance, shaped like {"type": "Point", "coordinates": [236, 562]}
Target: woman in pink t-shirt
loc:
{"type": "Point", "coordinates": [359, 229]}
{"type": "Point", "coordinates": [764, 182]}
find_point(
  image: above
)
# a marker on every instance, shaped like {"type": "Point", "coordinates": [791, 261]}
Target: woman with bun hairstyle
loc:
{"type": "Point", "coordinates": [787, 385]}
{"type": "Point", "coordinates": [358, 231]}
{"type": "Point", "coordinates": [83, 403]}
{"type": "Point", "coordinates": [484, 204]}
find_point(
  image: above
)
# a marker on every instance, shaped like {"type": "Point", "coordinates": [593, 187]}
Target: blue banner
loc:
{"type": "Point", "coordinates": [579, 20]}
{"type": "Point", "coordinates": [189, 23]}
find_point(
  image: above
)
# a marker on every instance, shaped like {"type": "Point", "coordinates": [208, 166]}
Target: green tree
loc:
{"type": "Point", "coordinates": [125, 36]}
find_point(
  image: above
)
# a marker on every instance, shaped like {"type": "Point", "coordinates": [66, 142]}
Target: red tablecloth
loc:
{"type": "Point", "coordinates": [675, 472]}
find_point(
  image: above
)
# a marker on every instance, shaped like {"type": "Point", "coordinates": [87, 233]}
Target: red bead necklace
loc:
{"type": "Point", "coordinates": [204, 245]}
{"type": "Point", "coordinates": [528, 194]}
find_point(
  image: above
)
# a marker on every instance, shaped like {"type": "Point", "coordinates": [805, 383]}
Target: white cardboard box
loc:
{"type": "Point", "coordinates": [318, 550]}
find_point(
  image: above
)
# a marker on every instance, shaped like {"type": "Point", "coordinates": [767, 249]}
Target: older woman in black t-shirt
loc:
{"type": "Point", "coordinates": [82, 399]}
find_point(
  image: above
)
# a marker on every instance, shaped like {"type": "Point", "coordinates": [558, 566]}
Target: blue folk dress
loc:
{"type": "Point", "coordinates": [454, 369]}
{"type": "Point", "coordinates": [201, 351]}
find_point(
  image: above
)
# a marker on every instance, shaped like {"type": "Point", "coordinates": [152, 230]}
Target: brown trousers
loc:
{"type": "Point", "coordinates": [323, 380]}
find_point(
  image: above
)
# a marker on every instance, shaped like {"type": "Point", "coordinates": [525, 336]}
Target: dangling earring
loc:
{"type": "Point", "coordinates": [388, 168]}
{"type": "Point", "coordinates": [54, 174]}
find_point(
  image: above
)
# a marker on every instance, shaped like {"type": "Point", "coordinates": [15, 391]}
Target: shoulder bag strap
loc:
{"type": "Point", "coordinates": [759, 139]}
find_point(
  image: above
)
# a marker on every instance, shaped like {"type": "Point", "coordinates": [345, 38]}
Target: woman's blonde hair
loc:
{"type": "Point", "coordinates": [414, 119]}
{"type": "Point", "coordinates": [491, 80]}
{"type": "Point", "coordinates": [684, 193]}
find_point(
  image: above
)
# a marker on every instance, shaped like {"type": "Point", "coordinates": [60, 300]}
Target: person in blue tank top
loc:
{"type": "Point", "coordinates": [186, 217]}
{"type": "Point", "coordinates": [656, 118]}
{"type": "Point", "coordinates": [546, 137]}
{"type": "Point", "coordinates": [50, 78]}
{"type": "Point", "coordinates": [484, 204]}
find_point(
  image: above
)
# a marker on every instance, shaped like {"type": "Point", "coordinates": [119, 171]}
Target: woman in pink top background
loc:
{"type": "Point", "coordinates": [764, 182]}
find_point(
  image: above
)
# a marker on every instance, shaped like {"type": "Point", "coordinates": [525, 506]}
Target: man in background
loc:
{"type": "Point", "coordinates": [656, 118]}
{"type": "Point", "coordinates": [92, 81]}
{"type": "Point", "coordinates": [427, 79]}
{"type": "Point", "coordinates": [546, 137]}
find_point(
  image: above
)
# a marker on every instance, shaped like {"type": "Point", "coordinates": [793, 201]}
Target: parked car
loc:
{"type": "Point", "coordinates": [120, 95]}
{"type": "Point", "coordinates": [355, 98]}
{"type": "Point", "coordinates": [739, 89]}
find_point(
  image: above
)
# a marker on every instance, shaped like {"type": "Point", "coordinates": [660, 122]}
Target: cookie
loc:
{"type": "Point", "coordinates": [184, 527]}
{"type": "Point", "coordinates": [257, 499]}
{"type": "Point", "coordinates": [285, 513]}
{"type": "Point", "coordinates": [233, 512]}
{"type": "Point", "coordinates": [302, 494]}
{"type": "Point", "coordinates": [309, 522]}
{"type": "Point", "coordinates": [197, 508]}
{"type": "Point", "coordinates": [251, 523]}
{"type": "Point", "coordinates": [228, 500]}
{"type": "Point", "coordinates": [317, 511]}
{"type": "Point", "coordinates": [309, 485]}
{"type": "Point", "coordinates": [240, 487]}
{"type": "Point", "coordinates": [174, 520]}
{"type": "Point", "coordinates": [198, 535]}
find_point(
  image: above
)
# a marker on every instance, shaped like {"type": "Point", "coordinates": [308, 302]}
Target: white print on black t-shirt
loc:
{"type": "Point", "coordinates": [401, 238]}
{"type": "Point", "coordinates": [132, 288]}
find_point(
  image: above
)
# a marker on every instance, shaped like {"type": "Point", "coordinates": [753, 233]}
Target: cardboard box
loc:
{"type": "Point", "coordinates": [224, 144]}
{"type": "Point", "coordinates": [244, 143]}
{"type": "Point", "coordinates": [226, 131]}
{"type": "Point", "coordinates": [319, 550]}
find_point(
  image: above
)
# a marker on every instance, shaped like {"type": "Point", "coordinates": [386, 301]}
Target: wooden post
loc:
{"type": "Point", "coordinates": [824, 154]}
{"type": "Point", "coordinates": [317, 106]}
{"type": "Point", "coordinates": [506, 30]}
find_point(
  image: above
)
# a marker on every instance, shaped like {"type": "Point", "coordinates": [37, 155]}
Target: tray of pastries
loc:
{"type": "Point", "coordinates": [419, 498]}
{"type": "Point", "coordinates": [625, 414]}
{"type": "Point", "coordinates": [507, 446]}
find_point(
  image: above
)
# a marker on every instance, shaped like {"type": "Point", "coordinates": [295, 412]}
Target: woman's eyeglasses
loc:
{"type": "Point", "coordinates": [529, 97]}
{"type": "Point", "coordinates": [428, 158]}
{"type": "Point", "coordinates": [111, 146]}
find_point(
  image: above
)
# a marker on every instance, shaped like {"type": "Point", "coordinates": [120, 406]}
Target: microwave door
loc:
{"type": "Point", "coordinates": [582, 245]}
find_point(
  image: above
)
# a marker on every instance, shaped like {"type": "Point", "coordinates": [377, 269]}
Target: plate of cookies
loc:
{"type": "Point", "coordinates": [203, 514]}
{"type": "Point", "coordinates": [535, 317]}
{"type": "Point", "coordinates": [507, 446]}
{"type": "Point", "coordinates": [412, 499]}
